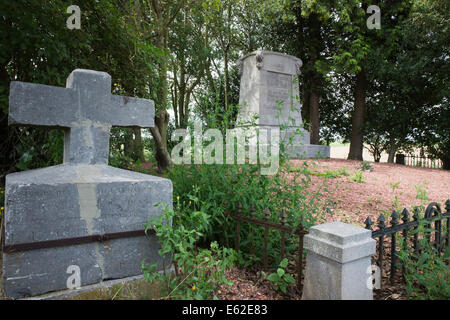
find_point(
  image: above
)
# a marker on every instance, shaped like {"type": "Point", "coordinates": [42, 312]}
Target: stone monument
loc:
{"type": "Point", "coordinates": [81, 218]}
{"type": "Point", "coordinates": [269, 89]}
{"type": "Point", "coordinates": [338, 262]}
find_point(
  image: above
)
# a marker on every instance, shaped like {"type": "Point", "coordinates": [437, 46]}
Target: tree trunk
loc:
{"type": "Point", "coordinates": [138, 146]}
{"type": "Point", "coordinates": [227, 85]}
{"type": "Point", "coordinates": [391, 156]}
{"type": "Point", "coordinates": [445, 163]}
{"type": "Point", "coordinates": [159, 132]}
{"type": "Point", "coordinates": [181, 96]}
{"type": "Point", "coordinates": [356, 142]}
{"type": "Point", "coordinates": [314, 113]}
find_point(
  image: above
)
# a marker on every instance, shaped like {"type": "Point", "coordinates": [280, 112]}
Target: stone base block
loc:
{"type": "Point", "coordinates": [66, 202]}
{"type": "Point", "coordinates": [308, 151]}
{"type": "Point", "coordinates": [131, 288]}
{"type": "Point", "coordinates": [326, 279]}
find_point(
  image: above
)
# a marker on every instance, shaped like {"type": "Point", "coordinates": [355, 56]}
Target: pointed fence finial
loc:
{"type": "Point", "coordinates": [283, 217]}
{"type": "Point", "coordinates": [267, 213]}
{"type": "Point", "coordinates": [394, 218]}
{"type": "Point", "coordinates": [368, 223]}
{"type": "Point", "coordinates": [252, 211]}
{"type": "Point", "coordinates": [239, 208]}
{"type": "Point", "coordinates": [405, 216]}
{"type": "Point", "coordinates": [416, 215]}
{"type": "Point", "coordinates": [381, 221]}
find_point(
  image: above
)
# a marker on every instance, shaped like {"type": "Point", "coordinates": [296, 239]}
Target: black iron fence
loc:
{"type": "Point", "coordinates": [284, 230]}
{"type": "Point", "coordinates": [433, 216]}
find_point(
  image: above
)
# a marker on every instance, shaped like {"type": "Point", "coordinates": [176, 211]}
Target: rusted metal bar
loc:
{"type": "Point", "coordinates": [447, 209]}
{"type": "Point", "coordinates": [266, 237]}
{"type": "Point", "coordinates": [19, 247]}
{"type": "Point", "coordinates": [252, 245]}
{"type": "Point", "coordinates": [238, 227]}
{"type": "Point", "coordinates": [283, 222]}
{"type": "Point", "coordinates": [283, 228]}
{"type": "Point", "coordinates": [416, 218]}
{"type": "Point", "coordinates": [269, 224]}
{"type": "Point", "coordinates": [300, 260]}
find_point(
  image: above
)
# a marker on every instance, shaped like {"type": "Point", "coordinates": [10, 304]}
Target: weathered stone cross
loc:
{"type": "Point", "coordinates": [85, 109]}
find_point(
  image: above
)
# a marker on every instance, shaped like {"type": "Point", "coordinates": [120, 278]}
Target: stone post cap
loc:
{"type": "Point", "coordinates": [340, 241]}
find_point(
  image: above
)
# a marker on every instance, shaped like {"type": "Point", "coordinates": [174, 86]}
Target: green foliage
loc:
{"type": "Point", "coordinates": [38, 47]}
{"type": "Point", "coordinates": [426, 274]}
{"type": "Point", "coordinates": [394, 186]}
{"type": "Point", "coordinates": [327, 174]}
{"type": "Point", "coordinates": [421, 193]}
{"type": "Point", "coordinates": [219, 188]}
{"type": "Point", "coordinates": [365, 166]}
{"type": "Point", "coordinates": [358, 177]}
{"type": "Point", "coordinates": [281, 279]}
{"type": "Point", "coordinates": [197, 271]}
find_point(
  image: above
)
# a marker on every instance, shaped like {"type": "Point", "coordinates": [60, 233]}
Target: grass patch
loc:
{"type": "Point", "coordinates": [326, 174]}
{"type": "Point", "coordinates": [358, 177]}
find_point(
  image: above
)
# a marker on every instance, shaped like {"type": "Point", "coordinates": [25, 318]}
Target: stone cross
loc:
{"type": "Point", "coordinates": [85, 109]}
{"type": "Point", "coordinates": [83, 214]}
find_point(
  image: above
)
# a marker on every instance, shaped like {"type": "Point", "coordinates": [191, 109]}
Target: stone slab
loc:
{"type": "Point", "coordinates": [130, 288]}
{"type": "Point", "coordinates": [308, 151]}
{"type": "Point", "coordinates": [87, 98]}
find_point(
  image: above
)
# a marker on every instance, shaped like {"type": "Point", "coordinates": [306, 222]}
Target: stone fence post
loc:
{"type": "Point", "coordinates": [338, 262]}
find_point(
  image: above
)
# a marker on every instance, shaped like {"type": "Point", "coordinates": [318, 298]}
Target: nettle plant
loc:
{"type": "Point", "coordinates": [203, 229]}
{"type": "Point", "coordinates": [427, 272]}
{"type": "Point", "coordinates": [281, 279]}
{"type": "Point", "coordinates": [197, 271]}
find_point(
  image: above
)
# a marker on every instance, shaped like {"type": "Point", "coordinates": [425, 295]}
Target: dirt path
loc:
{"type": "Point", "coordinates": [354, 201]}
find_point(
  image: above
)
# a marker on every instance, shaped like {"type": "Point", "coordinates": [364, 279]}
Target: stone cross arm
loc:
{"type": "Point", "coordinates": [86, 109]}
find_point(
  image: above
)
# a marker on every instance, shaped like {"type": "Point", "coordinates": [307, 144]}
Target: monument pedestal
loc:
{"type": "Point", "coordinates": [55, 215]}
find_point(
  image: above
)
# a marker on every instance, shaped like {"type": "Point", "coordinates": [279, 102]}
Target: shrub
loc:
{"type": "Point", "coordinates": [365, 166]}
{"type": "Point", "coordinates": [358, 177]}
{"type": "Point", "coordinates": [197, 271]}
{"type": "Point", "coordinates": [426, 274]}
{"type": "Point", "coordinates": [219, 188]}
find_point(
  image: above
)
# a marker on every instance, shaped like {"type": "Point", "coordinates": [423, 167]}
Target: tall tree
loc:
{"type": "Point", "coordinates": [189, 43]}
{"type": "Point", "coordinates": [158, 17]}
